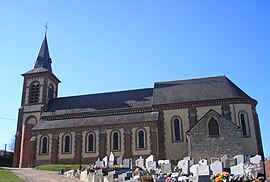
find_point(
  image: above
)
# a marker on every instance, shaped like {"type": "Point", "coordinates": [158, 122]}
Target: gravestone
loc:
{"type": "Point", "coordinates": [99, 171]}
{"type": "Point", "coordinates": [126, 163]}
{"type": "Point", "coordinates": [105, 160]}
{"type": "Point", "coordinates": [99, 163]}
{"type": "Point", "coordinates": [119, 160]}
{"type": "Point", "coordinates": [214, 159]}
{"type": "Point", "coordinates": [70, 173]}
{"type": "Point", "coordinates": [251, 170]}
{"type": "Point", "coordinates": [229, 163]}
{"type": "Point", "coordinates": [166, 168]}
{"type": "Point", "coordinates": [238, 169]}
{"type": "Point", "coordinates": [149, 159]}
{"type": "Point", "coordinates": [256, 159]}
{"type": "Point", "coordinates": [152, 165]}
{"type": "Point", "coordinates": [184, 166]}
{"type": "Point", "coordinates": [216, 167]}
{"type": "Point", "coordinates": [167, 161]}
{"type": "Point", "coordinates": [203, 170]}
{"type": "Point", "coordinates": [224, 158]}
{"type": "Point", "coordinates": [140, 162]}
{"type": "Point", "coordinates": [194, 169]}
{"type": "Point", "coordinates": [203, 162]}
{"type": "Point", "coordinates": [239, 159]}
{"type": "Point", "coordinates": [111, 160]}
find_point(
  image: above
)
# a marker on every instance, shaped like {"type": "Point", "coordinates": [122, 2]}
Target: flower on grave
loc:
{"type": "Point", "coordinates": [259, 179]}
{"type": "Point", "coordinates": [98, 167]}
{"type": "Point", "coordinates": [170, 179]}
{"type": "Point", "coordinates": [220, 177]}
{"type": "Point", "coordinates": [116, 166]}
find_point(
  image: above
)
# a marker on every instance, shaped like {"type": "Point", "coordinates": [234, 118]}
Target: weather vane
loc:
{"type": "Point", "coordinates": [46, 28]}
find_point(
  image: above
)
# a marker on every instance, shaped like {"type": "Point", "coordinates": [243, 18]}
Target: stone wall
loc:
{"type": "Point", "coordinates": [228, 142]}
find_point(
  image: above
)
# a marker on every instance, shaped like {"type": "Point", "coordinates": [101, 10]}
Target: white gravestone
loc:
{"type": "Point", "coordinates": [126, 163]}
{"type": "Point", "coordinates": [216, 167]}
{"type": "Point", "coordinates": [239, 159]}
{"type": "Point", "coordinates": [119, 160]}
{"type": "Point", "coordinates": [194, 169]}
{"type": "Point", "coordinates": [152, 165]}
{"type": "Point", "coordinates": [256, 159]}
{"type": "Point", "coordinates": [167, 161]}
{"type": "Point", "coordinates": [184, 166]}
{"type": "Point", "coordinates": [203, 162]}
{"type": "Point", "coordinates": [105, 160]}
{"type": "Point", "coordinates": [166, 168]}
{"type": "Point", "coordinates": [224, 158]}
{"type": "Point", "coordinates": [238, 169]}
{"type": "Point", "coordinates": [111, 160]}
{"type": "Point", "coordinates": [149, 159]}
{"type": "Point", "coordinates": [140, 162]}
{"type": "Point", "coordinates": [203, 170]}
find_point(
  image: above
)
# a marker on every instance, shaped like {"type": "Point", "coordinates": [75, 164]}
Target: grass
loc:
{"type": "Point", "coordinates": [58, 167]}
{"type": "Point", "coordinates": [8, 176]}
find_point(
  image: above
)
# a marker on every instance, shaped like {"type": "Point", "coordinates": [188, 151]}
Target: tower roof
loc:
{"type": "Point", "coordinates": [43, 60]}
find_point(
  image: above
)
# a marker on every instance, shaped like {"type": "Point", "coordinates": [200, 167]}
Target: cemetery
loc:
{"type": "Point", "coordinates": [117, 169]}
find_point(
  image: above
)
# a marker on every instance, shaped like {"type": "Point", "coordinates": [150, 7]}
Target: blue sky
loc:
{"type": "Point", "coordinates": [108, 45]}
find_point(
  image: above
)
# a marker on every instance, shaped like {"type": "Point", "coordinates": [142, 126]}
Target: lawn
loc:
{"type": "Point", "coordinates": [58, 167]}
{"type": "Point", "coordinates": [8, 176]}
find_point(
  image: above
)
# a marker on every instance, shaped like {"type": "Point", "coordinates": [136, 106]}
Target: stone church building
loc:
{"type": "Point", "coordinates": [201, 118]}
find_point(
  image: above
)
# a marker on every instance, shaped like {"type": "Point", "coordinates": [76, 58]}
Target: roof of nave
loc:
{"type": "Point", "coordinates": [102, 101]}
{"type": "Point", "coordinates": [94, 121]}
{"type": "Point", "coordinates": [193, 90]}
{"type": "Point", "coordinates": [168, 92]}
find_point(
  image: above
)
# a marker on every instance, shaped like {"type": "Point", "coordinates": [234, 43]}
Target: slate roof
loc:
{"type": "Point", "coordinates": [112, 100]}
{"type": "Point", "coordinates": [93, 121]}
{"type": "Point", "coordinates": [191, 90]}
{"type": "Point", "coordinates": [168, 92]}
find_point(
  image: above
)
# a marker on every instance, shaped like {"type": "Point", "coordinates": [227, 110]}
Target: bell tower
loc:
{"type": "Point", "coordinates": [39, 86]}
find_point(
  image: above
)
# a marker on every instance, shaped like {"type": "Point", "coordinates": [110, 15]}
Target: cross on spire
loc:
{"type": "Point", "coordinates": [46, 28]}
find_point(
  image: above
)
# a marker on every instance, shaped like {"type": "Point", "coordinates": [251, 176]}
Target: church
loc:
{"type": "Point", "coordinates": [200, 118]}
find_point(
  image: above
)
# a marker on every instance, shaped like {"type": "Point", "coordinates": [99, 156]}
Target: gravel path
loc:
{"type": "Point", "coordinates": [33, 175]}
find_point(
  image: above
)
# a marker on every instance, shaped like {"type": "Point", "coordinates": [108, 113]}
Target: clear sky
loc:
{"type": "Point", "coordinates": [108, 45]}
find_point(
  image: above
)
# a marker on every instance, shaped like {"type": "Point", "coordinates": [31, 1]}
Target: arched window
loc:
{"type": "Point", "coordinates": [244, 124]}
{"type": "Point", "coordinates": [44, 145]}
{"type": "Point", "coordinates": [34, 92]}
{"type": "Point", "coordinates": [177, 130]}
{"type": "Point", "coordinates": [67, 144]}
{"type": "Point", "coordinates": [51, 92]}
{"type": "Point", "coordinates": [213, 127]}
{"type": "Point", "coordinates": [115, 141]}
{"type": "Point", "coordinates": [90, 142]}
{"type": "Point", "coordinates": [141, 142]}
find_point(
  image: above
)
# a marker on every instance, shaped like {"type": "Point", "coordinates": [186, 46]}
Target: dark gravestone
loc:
{"type": "Point", "coordinates": [230, 162]}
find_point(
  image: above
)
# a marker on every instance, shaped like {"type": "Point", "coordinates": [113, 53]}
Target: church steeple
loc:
{"type": "Point", "coordinates": [43, 60]}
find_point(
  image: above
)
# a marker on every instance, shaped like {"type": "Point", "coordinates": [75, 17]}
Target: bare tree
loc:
{"type": "Point", "coordinates": [11, 145]}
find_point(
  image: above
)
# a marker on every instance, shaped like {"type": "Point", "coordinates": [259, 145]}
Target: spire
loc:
{"type": "Point", "coordinates": [43, 59]}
